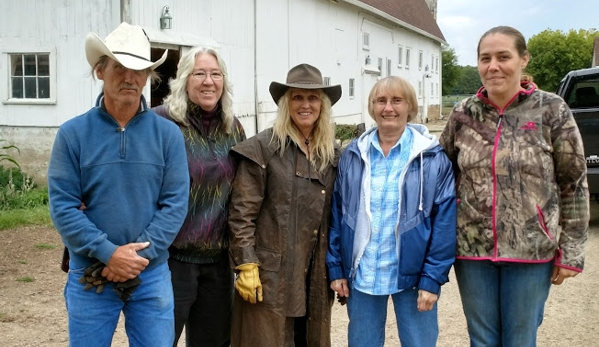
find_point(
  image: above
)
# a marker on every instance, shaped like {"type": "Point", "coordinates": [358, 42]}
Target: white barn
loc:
{"type": "Point", "coordinates": [353, 42]}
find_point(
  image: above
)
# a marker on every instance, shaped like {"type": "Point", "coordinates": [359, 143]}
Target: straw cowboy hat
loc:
{"type": "Point", "coordinates": [127, 44]}
{"type": "Point", "coordinates": [304, 76]}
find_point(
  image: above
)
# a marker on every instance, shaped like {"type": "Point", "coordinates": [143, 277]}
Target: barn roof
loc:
{"type": "Point", "coordinates": [415, 13]}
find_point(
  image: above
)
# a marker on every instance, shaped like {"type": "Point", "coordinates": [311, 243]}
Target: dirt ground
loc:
{"type": "Point", "coordinates": [32, 311]}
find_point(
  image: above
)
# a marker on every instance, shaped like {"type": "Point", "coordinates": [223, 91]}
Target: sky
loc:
{"type": "Point", "coordinates": [463, 22]}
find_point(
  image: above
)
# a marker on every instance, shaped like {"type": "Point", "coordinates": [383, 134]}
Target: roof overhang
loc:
{"type": "Point", "coordinates": [390, 18]}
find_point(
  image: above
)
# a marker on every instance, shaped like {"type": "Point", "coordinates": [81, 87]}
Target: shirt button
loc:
{"type": "Point", "coordinates": [315, 232]}
{"type": "Point", "coordinates": [297, 173]}
{"type": "Point", "coordinates": [323, 192]}
{"type": "Point", "coordinates": [263, 166]}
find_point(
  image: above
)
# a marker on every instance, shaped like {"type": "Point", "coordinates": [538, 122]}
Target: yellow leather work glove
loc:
{"type": "Point", "coordinates": [248, 282]}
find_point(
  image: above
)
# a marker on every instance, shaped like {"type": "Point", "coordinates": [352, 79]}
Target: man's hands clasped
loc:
{"type": "Point", "coordinates": [123, 269]}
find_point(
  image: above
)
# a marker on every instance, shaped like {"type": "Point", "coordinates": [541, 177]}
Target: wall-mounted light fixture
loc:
{"type": "Point", "coordinates": [367, 61]}
{"type": "Point", "coordinates": [166, 21]}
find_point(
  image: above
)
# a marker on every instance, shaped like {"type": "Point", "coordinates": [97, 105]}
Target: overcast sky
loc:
{"type": "Point", "coordinates": [464, 21]}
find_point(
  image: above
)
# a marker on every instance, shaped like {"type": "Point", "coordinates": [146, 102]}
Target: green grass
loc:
{"type": "Point", "coordinates": [27, 216]}
{"type": "Point", "coordinates": [24, 262]}
{"type": "Point", "coordinates": [45, 246]}
{"type": "Point", "coordinates": [26, 279]}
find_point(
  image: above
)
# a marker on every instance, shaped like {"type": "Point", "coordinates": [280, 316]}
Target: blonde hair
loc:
{"type": "Point", "coordinates": [397, 86]}
{"type": "Point", "coordinates": [176, 101]}
{"type": "Point", "coordinates": [323, 138]}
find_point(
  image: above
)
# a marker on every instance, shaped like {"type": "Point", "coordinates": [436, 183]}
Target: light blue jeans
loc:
{"type": "Point", "coordinates": [503, 302]}
{"type": "Point", "coordinates": [368, 314]}
{"type": "Point", "coordinates": [149, 312]}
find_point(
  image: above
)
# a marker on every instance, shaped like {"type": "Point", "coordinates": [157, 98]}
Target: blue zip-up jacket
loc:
{"type": "Point", "coordinates": [133, 180]}
{"type": "Point", "coordinates": [426, 231]}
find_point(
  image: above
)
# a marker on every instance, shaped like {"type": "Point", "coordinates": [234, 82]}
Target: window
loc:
{"type": "Point", "coordinates": [327, 81]}
{"type": "Point", "coordinates": [437, 65]}
{"type": "Point", "coordinates": [432, 63]}
{"type": "Point", "coordinates": [419, 89]}
{"type": "Point", "coordinates": [31, 78]}
{"type": "Point", "coordinates": [351, 87]}
{"type": "Point", "coordinates": [420, 57]}
{"type": "Point", "coordinates": [380, 65]}
{"type": "Point", "coordinates": [399, 55]}
{"type": "Point", "coordinates": [366, 41]}
{"type": "Point", "coordinates": [432, 89]}
{"type": "Point", "coordinates": [407, 58]}
{"type": "Point", "coordinates": [389, 62]}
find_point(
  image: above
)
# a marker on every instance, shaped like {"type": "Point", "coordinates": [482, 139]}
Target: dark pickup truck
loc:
{"type": "Point", "coordinates": [580, 89]}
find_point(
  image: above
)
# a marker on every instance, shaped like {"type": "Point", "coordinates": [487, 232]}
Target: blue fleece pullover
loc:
{"type": "Point", "coordinates": [133, 180]}
{"type": "Point", "coordinates": [426, 231]}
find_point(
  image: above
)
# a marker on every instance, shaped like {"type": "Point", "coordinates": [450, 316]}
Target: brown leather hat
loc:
{"type": "Point", "coordinates": [304, 76]}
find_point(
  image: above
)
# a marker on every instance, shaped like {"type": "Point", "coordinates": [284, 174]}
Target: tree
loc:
{"type": "Point", "coordinates": [554, 53]}
{"type": "Point", "coordinates": [469, 81]}
{"type": "Point", "coordinates": [450, 70]}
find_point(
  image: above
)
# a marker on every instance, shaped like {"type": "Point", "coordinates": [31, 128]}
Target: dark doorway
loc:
{"type": "Point", "coordinates": [166, 71]}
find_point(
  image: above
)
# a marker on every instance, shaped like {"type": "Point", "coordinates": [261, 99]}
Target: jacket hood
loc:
{"type": "Point", "coordinates": [423, 140]}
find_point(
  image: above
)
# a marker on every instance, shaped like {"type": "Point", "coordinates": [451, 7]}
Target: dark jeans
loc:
{"type": "Point", "coordinates": [203, 302]}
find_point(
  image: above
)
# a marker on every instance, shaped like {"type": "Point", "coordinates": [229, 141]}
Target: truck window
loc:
{"type": "Point", "coordinates": [584, 92]}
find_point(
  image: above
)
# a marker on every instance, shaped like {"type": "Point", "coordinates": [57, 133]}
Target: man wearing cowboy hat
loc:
{"type": "Point", "coordinates": [118, 187]}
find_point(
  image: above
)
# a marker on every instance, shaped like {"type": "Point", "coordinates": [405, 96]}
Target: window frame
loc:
{"type": "Point", "coordinates": [7, 98]}
{"type": "Point", "coordinates": [399, 56]}
{"type": "Point", "coordinates": [366, 41]}
{"type": "Point", "coordinates": [408, 50]}
{"type": "Point", "coordinates": [351, 88]}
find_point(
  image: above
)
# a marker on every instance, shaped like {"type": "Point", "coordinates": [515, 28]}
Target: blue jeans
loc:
{"type": "Point", "coordinates": [368, 314]}
{"type": "Point", "coordinates": [149, 319]}
{"type": "Point", "coordinates": [503, 302]}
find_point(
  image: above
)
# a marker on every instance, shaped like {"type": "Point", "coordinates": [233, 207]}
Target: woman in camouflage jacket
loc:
{"type": "Point", "coordinates": [523, 205]}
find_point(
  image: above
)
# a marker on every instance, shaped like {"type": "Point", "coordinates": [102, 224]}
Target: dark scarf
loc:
{"type": "Point", "coordinates": [201, 119]}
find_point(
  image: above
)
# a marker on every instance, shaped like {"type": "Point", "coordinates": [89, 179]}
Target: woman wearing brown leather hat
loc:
{"type": "Point", "coordinates": [279, 213]}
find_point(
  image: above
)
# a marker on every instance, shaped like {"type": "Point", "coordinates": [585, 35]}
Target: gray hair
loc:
{"type": "Point", "coordinates": [176, 101]}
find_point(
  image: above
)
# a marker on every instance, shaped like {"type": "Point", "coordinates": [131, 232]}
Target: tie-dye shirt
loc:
{"type": "Point", "coordinates": [203, 237]}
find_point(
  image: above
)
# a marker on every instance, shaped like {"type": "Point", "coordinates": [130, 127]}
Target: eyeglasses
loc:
{"type": "Point", "coordinates": [383, 101]}
{"type": "Point", "coordinates": [201, 75]}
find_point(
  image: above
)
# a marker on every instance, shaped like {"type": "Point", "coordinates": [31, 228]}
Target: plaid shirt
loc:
{"type": "Point", "coordinates": [378, 270]}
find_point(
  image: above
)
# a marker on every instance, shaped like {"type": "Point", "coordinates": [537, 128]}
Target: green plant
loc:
{"type": "Point", "coordinates": [11, 198]}
{"type": "Point", "coordinates": [23, 262]}
{"type": "Point", "coordinates": [26, 279]}
{"type": "Point", "coordinates": [345, 132]}
{"type": "Point", "coordinates": [15, 177]}
{"type": "Point", "coordinates": [45, 246]}
{"type": "Point", "coordinates": [7, 157]}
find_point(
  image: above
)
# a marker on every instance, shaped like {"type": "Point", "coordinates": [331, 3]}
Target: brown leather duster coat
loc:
{"type": "Point", "coordinates": [279, 216]}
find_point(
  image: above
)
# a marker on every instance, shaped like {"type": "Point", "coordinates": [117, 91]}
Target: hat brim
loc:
{"type": "Point", "coordinates": [95, 48]}
{"type": "Point", "coordinates": [277, 90]}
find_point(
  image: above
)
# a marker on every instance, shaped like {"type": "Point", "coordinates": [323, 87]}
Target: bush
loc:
{"type": "Point", "coordinates": [16, 177]}
{"type": "Point", "coordinates": [18, 191]}
{"type": "Point", "coordinates": [345, 132]}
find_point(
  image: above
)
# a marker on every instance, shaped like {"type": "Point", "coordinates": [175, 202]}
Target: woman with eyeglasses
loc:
{"type": "Point", "coordinates": [280, 208]}
{"type": "Point", "coordinates": [392, 231]}
{"type": "Point", "coordinates": [200, 102]}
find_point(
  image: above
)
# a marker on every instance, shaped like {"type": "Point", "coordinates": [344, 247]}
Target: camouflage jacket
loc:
{"type": "Point", "coordinates": [520, 179]}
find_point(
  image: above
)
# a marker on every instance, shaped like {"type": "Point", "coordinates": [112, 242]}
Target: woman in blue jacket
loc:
{"type": "Point", "coordinates": [393, 222]}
